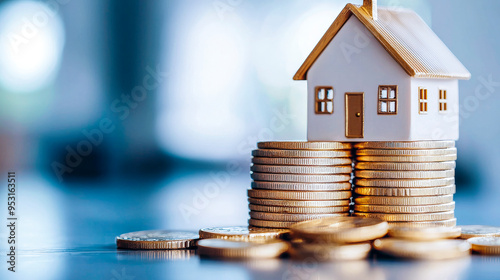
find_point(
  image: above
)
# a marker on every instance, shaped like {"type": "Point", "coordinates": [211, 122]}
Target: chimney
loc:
{"type": "Point", "coordinates": [371, 8]}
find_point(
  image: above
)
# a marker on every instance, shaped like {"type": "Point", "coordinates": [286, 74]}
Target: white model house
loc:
{"type": "Point", "coordinates": [381, 75]}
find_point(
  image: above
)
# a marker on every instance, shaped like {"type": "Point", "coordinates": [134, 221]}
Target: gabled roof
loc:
{"type": "Point", "coordinates": [405, 36]}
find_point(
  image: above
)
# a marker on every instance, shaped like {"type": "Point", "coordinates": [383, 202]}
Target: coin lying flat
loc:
{"type": "Point", "coordinates": [405, 191]}
{"type": "Point", "coordinates": [300, 145]}
{"type": "Point", "coordinates": [331, 252]}
{"type": "Point", "coordinates": [405, 166]}
{"type": "Point", "coordinates": [296, 195]}
{"type": "Point", "coordinates": [425, 233]}
{"type": "Point", "coordinates": [421, 217]}
{"type": "Point", "coordinates": [301, 161]}
{"type": "Point", "coordinates": [340, 229]}
{"type": "Point", "coordinates": [299, 203]}
{"type": "Point", "coordinates": [428, 250]}
{"type": "Point", "coordinates": [283, 186]}
{"type": "Point", "coordinates": [301, 153]}
{"type": "Point", "coordinates": [399, 152]}
{"type": "Point", "coordinates": [444, 223]}
{"type": "Point", "coordinates": [218, 248]}
{"type": "Point", "coordinates": [299, 210]}
{"type": "Point", "coordinates": [300, 178]}
{"type": "Point", "coordinates": [157, 240]}
{"type": "Point", "coordinates": [485, 245]}
{"type": "Point", "coordinates": [410, 200]}
{"type": "Point", "coordinates": [291, 217]}
{"type": "Point", "coordinates": [479, 231]}
{"type": "Point", "coordinates": [379, 174]}
{"type": "Point", "coordinates": [404, 183]}
{"type": "Point", "coordinates": [406, 145]}
{"type": "Point", "coordinates": [242, 233]}
{"type": "Point", "coordinates": [407, 158]}
{"type": "Point", "coordinates": [291, 169]}
{"type": "Point", "coordinates": [270, 224]}
{"type": "Point", "coordinates": [405, 209]}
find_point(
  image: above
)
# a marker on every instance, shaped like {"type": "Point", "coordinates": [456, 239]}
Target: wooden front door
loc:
{"type": "Point", "coordinates": [354, 114]}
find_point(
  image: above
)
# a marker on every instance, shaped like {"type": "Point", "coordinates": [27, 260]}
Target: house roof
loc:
{"type": "Point", "coordinates": [405, 36]}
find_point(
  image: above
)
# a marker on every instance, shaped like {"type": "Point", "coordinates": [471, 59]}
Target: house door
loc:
{"type": "Point", "coordinates": [354, 114]}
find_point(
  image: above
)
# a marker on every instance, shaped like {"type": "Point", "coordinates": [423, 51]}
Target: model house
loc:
{"type": "Point", "coordinates": [381, 74]}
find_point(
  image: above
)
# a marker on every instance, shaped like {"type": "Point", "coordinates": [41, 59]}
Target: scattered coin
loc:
{"type": "Point", "coordinates": [406, 145]}
{"type": "Point", "coordinates": [405, 191]}
{"type": "Point", "coordinates": [405, 209]}
{"type": "Point", "coordinates": [403, 166]}
{"type": "Point", "coordinates": [427, 250]}
{"type": "Point", "coordinates": [331, 252]}
{"type": "Point", "coordinates": [425, 233]}
{"type": "Point", "coordinates": [290, 169]}
{"type": "Point", "coordinates": [299, 210]}
{"type": "Point", "coordinates": [242, 233]}
{"type": "Point", "coordinates": [421, 217]}
{"type": "Point", "coordinates": [218, 248]}
{"type": "Point", "coordinates": [270, 224]}
{"type": "Point", "coordinates": [404, 183]}
{"type": "Point", "coordinates": [302, 161]}
{"type": "Point", "coordinates": [427, 152]}
{"type": "Point", "coordinates": [378, 174]}
{"type": "Point", "coordinates": [291, 217]}
{"type": "Point", "coordinates": [157, 240]}
{"type": "Point", "coordinates": [411, 200]}
{"type": "Point", "coordinates": [301, 153]}
{"type": "Point", "coordinates": [407, 158]}
{"type": "Point", "coordinates": [298, 145]}
{"type": "Point", "coordinates": [300, 178]}
{"type": "Point", "coordinates": [297, 195]}
{"type": "Point", "coordinates": [287, 186]}
{"type": "Point", "coordinates": [485, 245]}
{"type": "Point", "coordinates": [444, 223]}
{"type": "Point", "coordinates": [479, 231]}
{"type": "Point", "coordinates": [299, 203]}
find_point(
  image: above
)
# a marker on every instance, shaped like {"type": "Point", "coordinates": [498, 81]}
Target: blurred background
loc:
{"type": "Point", "coordinates": [129, 115]}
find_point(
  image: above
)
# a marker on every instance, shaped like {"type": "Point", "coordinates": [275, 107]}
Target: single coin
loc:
{"type": "Point", "coordinates": [485, 245]}
{"type": "Point", "coordinates": [299, 210]}
{"type": "Point", "coordinates": [296, 195]}
{"type": "Point", "coordinates": [242, 233]}
{"type": "Point", "coordinates": [444, 223]}
{"type": "Point", "coordinates": [407, 158]}
{"type": "Point", "coordinates": [427, 152]}
{"type": "Point", "coordinates": [405, 166]}
{"type": "Point", "coordinates": [411, 200]}
{"type": "Point", "coordinates": [218, 248]}
{"type": "Point", "coordinates": [279, 186]}
{"type": "Point", "coordinates": [291, 217]}
{"type": "Point", "coordinates": [421, 217]}
{"type": "Point", "coordinates": [300, 153]}
{"type": "Point", "coordinates": [427, 250]}
{"type": "Point", "coordinates": [331, 252]}
{"type": "Point", "coordinates": [302, 161]}
{"type": "Point", "coordinates": [300, 178]}
{"type": "Point", "coordinates": [290, 169]}
{"type": "Point", "coordinates": [378, 174]}
{"type": "Point", "coordinates": [404, 183]}
{"type": "Point", "coordinates": [405, 191]}
{"type": "Point", "coordinates": [425, 233]}
{"type": "Point", "coordinates": [340, 229]}
{"type": "Point", "coordinates": [270, 224]}
{"type": "Point", "coordinates": [406, 145]}
{"type": "Point", "coordinates": [301, 145]}
{"type": "Point", "coordinates": [479, 231]}
{"type": "Point", "coordinates": [405, 209]}
{"type": "Point", "coordinates": [157, 240]}
{"type": "Point", "coordinates": [299, 203]}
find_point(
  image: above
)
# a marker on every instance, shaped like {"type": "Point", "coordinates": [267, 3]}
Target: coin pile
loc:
{"type": "Point", "coordinates": [406, 183]}
{"type": "Point", "coordinates": [299, 181]}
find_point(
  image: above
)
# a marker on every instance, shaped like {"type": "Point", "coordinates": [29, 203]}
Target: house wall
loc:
{"type": "Point", "coordinates": [356, 62]}
{"type": "Point", "coordinates": [435, 125]}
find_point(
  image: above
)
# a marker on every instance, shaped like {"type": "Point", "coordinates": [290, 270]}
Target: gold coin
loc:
{"type": "Point", "coordinates": [404, 183]}
{"type": "Point", "coordinates": [299, 210]}
{"type": "Point", "coordinates": [405, 191]}
{"type": "Point", "coordinates": [279, 186]}
{"type": "Point", "coordinates": [291, 217]}
{"type": "Point", "coordinates": [331, 252]}
{"type": "Point", "coordinates": [300, 145]}
{"type": "Point", "coordinates": [427, 250]}
{"type": "Point", "coordinates": [243, 233]}
{"type": "Point", "coordinates": [157, 240]}
{"type": "Point", "coordinates": [340, 229]}
{"type": "Point", "coordinates": [405, 166]}
{"type": "Point", "coordinates": [425, 233]}
{"type": "Point", "coordinates": [300, 178]}
{"type": "Point", "coordinates": [290, 169]}
{"type": "Point", "coordinates": [299, 203]}
{"type": "Point", "coordinates": [428, 152]}
{"type": "Point", "coordinates": [407, 158]}
{"type": "Point", "coordinates": [378, 174]}
{"type": "Point", "coordinates": [302, 161]}
{"type": "Point", "coordinates": [270, 224]}
{"type": "Point", "coordinates": [405, 209]}
{"type": "Point", "coordinates": [421, 217]}
{"type": "Point", "coordinates": [479, 231]}
{"type": "Point", "coordinates": [412, 200]}
{"type": "Point", "coordinates": [485, 245]}
{"type": "Point", "coordinates": [296, 195]}
{"type": "Point", "coordinates": [301, 153]}
{"type": "Point", "coordinates": [218, 248]}
{"type": "Point", "coordinates": [406, 145]}
{"type": "Point", "coordinates": [444, 223]}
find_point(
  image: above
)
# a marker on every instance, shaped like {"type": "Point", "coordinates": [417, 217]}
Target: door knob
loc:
{"type": "Point", "coordinates": [358, 114]}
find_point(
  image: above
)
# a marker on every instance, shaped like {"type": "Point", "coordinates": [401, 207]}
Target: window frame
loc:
{"type": "Point", "coordinates": [443, 101]}
{"type": "Point", "coordinates": [325, 100]}
{"type": "Point", "coordinates": [423, 101]}
{"type": "Point", "coordinates": [388, 100]}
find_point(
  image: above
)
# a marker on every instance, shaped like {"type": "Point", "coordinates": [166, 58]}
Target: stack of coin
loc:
{"type": "Point", "coordinates": [299, 181]}
{"type": "Point", "coordinates": [406, 183]}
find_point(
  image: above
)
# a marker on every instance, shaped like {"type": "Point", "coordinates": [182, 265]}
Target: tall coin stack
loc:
{"type": "Point", "coordinates": [299, 181]}
{"type": "Point", "coordinates": [406, 183]}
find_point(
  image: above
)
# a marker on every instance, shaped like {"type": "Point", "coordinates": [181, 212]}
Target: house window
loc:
{"type": "Point", "coordinates": [422, 98]}
{"type": "Point", "coordinates": [324, 100]}
{"type": "Point", "coordinates": [388, 100]}
{"type": "Point", "coordinates": [443, 101]}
